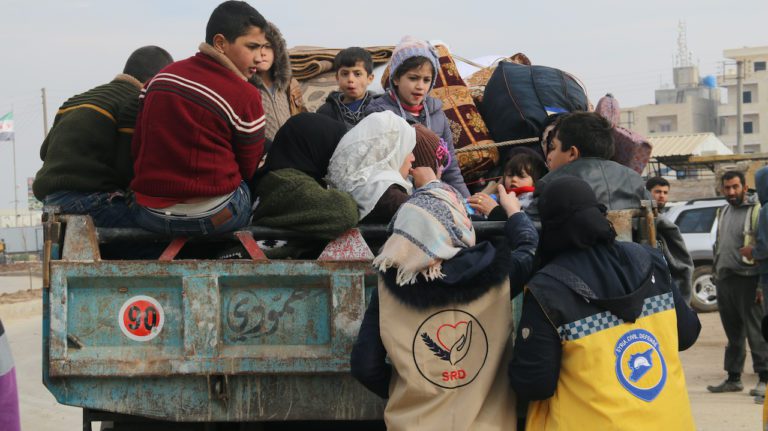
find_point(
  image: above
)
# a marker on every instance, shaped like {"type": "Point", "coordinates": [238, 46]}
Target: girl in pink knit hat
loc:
{"type": "Point", "coordinates": [413, 72]}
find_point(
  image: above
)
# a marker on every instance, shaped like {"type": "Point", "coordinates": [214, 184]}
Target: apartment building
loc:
{"type": "Point", "coordinates": [688, 108]}
{"type": "Point", "coordinates": [754, 124]}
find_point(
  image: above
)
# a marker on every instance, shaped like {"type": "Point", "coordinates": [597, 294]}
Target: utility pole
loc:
{"type": "Point", "coordinates": [45, 113]}
{"type": "Point", "coordinates": [739, 102]}
{"type": "Point", "coordinates": [15, 183]}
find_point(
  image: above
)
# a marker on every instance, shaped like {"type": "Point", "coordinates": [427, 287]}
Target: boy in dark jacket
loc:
{"type": "Point", "coordinates": [581, 145]}
{"type": "Point", "coordinates": [86, 156]}
{"type": "Point", "coordinates": [354, 73]}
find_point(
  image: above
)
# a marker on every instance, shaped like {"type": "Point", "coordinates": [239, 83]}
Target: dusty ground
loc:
{"type": "Point", "coordinates": [21, 296]}
{"type": "Point", "coordinates": [703, 366]}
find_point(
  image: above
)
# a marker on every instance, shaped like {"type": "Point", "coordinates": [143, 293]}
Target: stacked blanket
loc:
{"type": "Point", "coordinates": [310, 61]}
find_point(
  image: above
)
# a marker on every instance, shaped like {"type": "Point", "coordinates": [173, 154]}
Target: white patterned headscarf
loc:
{"type": "Point", "coordinates": [368, 158]}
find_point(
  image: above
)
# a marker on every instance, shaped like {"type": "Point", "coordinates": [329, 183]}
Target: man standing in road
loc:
{"type": "Point", "coordinates": [659, 188]}
{"type": "Point", "coordinates": [739, 300]}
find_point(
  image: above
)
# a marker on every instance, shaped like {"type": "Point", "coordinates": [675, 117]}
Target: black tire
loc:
{"type": "Point", "coordinates": [703, 292]}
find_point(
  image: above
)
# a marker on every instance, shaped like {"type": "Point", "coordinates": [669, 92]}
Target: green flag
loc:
{"type": "Point", "coordinates": [6, 127]}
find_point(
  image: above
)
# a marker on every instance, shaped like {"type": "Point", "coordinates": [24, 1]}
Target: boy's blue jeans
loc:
{"type": "Point", "coordinates": [233, 215]}
{"type": "Point", "coordinates": [105, 208]}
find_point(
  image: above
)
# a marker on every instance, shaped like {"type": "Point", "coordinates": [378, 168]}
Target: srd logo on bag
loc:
{"type": "Point", "coordinates": [640, 367]}
{"type": "Point", "coordinates": [450, 348]}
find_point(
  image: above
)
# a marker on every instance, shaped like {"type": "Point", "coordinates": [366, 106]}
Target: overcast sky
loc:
{"type": "Point", "coordinates": [626, 48]}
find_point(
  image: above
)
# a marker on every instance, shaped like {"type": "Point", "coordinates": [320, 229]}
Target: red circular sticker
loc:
{"type": "Point", "coordinates": [141, 318]}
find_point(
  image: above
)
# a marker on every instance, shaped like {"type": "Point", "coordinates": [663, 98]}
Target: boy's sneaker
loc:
{"type": "Point", "coordinates": [759, 390]}
{"type": "Point", "coordinates": [727, 386]}
{"type": "Point", "coordinates": [760, 399]}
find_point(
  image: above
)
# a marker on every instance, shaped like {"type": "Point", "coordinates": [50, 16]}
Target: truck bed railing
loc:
{"type": "Point", "coordinates": [368, 231]}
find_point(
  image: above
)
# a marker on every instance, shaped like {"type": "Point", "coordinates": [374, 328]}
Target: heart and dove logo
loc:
{"type": "Point", "coordinates": [450, 348]}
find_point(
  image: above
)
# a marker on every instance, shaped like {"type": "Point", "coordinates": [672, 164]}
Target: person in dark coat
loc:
{"type": "Point", "coordinates": [601, 326]}
{"type": "Point", "coordinates": [87, 164]}
{"type": "Point", "coordinates": [291, 190]}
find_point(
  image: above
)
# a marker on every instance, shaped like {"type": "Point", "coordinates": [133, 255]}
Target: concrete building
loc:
{"type": "Point", "coordinates": [755, 99]}
{"type": "Point", "coordinates": [25, 218]}
{"type": "Point", "coordinates": [688, 108]}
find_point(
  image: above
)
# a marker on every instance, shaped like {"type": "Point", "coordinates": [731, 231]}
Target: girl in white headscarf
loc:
{"type": "Point", "coordinates": [372, 162]}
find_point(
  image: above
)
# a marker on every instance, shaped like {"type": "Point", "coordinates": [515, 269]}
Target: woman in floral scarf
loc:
{"type": "Point", "coordinates": [442, 313]}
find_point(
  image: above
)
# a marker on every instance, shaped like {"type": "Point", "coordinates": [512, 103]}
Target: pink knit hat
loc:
{"type": "Point", "coordinates": [409, 47]}
{"type": "Point", "coordinates": [430, 150]}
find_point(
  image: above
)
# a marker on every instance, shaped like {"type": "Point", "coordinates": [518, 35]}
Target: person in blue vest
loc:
{"type": "Point", "coordinates": [601, 326]}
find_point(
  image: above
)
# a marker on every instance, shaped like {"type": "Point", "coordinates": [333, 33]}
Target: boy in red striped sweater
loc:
{"type": "Point", "coordinates": [200, 132]}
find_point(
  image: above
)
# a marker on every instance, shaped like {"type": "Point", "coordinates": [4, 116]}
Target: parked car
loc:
{"type": "Point", "coordinates": [697, 222]}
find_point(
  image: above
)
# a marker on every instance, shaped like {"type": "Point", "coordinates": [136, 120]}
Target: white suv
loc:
{"type": "Point", "coordinates": [696, 220]}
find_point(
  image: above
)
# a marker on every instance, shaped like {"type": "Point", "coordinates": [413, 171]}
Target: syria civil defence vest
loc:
{"type": "Point", "coordinates": [449, 363]}
{"type": "Point", "coordinates": [614, 375]}
{"type": "Point", "coordinates": [765, 414]}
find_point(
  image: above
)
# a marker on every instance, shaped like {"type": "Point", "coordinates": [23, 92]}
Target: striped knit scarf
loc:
{"type": "Point", "coordinates": [352, 116]}
{"type": "Point", "coordinates": [432, 226]}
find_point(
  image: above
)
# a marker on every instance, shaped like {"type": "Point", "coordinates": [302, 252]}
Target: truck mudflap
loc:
{"type": "Point", "coordinates": [205, 340]}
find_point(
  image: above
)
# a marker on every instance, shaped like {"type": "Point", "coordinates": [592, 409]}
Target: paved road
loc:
{"type": "Point", "coordinates": [17, 282]}
{"type": "Point", "coordinates": [39, 410]}
{"type": "Point", "coordinates": [702, 363]}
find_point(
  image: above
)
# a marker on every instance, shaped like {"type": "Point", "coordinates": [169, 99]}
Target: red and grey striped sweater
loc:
{"type": "Point", "coordinates": [200, 132]}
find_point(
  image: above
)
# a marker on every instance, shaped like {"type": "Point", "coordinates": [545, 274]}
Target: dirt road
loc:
{"type": "Point", "coordinates": [702, 363]}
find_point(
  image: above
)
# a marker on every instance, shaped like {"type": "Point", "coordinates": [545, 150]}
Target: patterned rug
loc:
{"type": "Point", "coordinates": [467, 126]}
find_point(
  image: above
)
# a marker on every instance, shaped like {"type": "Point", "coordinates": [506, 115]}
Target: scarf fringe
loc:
{"type": "Point", "coordinates": [405, 277]}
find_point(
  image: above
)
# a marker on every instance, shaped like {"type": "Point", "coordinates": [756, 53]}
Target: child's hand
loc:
{"type": "Point", "coordinates": [482, 203]}
{"type": "Point", "coordinates": [422, 175]}
{"type": "Point", "coordinates": [746, 252]}
{"type": "Point", "coordinates": [508, 201]}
